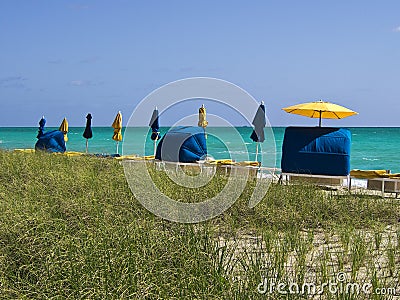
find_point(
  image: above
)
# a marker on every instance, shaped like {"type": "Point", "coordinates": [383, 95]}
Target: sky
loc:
{"type": "Point", "coordinates": [67, 58]}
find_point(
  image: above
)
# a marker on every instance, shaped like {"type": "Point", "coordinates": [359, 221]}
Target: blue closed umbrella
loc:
{"type": "Point", "coordinates": [88, 134]}
{"type": "Point", "coordinates": [42, 122]}
{"type": "Point", "coordinates": [259, 123]}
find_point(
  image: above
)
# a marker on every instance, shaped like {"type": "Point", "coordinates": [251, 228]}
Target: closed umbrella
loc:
{"type": "Point", "coordinates": [64, 129]}
{"type": "Point", "coordinates": [42, 123]}
{"type": "Point", "coordinates": [321, 110]}
{"type": "Point", "coordinates": [117, 125]}
{"type": "Point", "coordinates": [88, 134]}
{"type": "Point", "coordinates": [259, 123]}
{"type": "Point", "coordinates": [203, 118]}
{"type": "Point", "coordinates": [155, 127]}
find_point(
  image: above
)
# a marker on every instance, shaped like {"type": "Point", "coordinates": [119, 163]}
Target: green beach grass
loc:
{"type": "Point", "coordinates": [71, 228]}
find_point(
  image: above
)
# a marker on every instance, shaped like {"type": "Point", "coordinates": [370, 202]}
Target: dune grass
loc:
{"type": "Point", "coordinates": [71, 228]}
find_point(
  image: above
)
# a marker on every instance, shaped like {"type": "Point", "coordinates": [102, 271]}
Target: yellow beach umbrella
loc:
{"type": "Point", "coordinates": [64, 129]}
{"type": "Point", "coordinates": [117, 125]}
{"type": "Point", "coordinates": [321, 110]}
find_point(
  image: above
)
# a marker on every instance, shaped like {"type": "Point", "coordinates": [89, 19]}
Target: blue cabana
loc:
{"type": "Point", "coordinates": [182, 144]}
{"type": "Point", "coordinates": [316, 151]}
{"type": "Point", "coordinates": [51, 141]}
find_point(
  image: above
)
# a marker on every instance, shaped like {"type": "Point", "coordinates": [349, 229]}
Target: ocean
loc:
{"type": "Point", "coordinates": [372, 147]}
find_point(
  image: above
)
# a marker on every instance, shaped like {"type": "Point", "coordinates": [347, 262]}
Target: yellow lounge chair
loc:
{"type": "Point", "coordinates": [24, 150]}
{"type": "Point", "coordinates": [379, 180]}
{"type": "Point", "coordinates": [135, 157]}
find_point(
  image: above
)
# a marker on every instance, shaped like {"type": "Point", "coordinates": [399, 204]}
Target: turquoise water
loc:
{"type": "Point", "coordinates": [372, 148]}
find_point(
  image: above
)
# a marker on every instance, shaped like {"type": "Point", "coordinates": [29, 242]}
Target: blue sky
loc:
{"type": "Point", "coordinates": [67, 58]}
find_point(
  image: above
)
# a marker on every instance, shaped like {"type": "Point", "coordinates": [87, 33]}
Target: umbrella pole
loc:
{"type": "Point", "coordinates": [155, 147]}
{"type": "Point", "coordinates": [87, 145]}
{"type": "Point", "coordinates": [256, 151]}
{"type": "Point", "coordinates": [320, 113]}
{"type": "Point", "coordinates": [117, 147]}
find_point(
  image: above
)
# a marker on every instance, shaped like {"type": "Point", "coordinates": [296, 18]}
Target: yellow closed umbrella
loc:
{"type": "Point", "coordinates": [202, 117]}
{"type": "Point", "coordinates": [320, 109]}
{"type": "Point", "coordinates": [117, 125]}
{"type": "Point", "coordinates": [64, 129]}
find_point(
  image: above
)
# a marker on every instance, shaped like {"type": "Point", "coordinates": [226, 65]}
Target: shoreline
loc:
{"type": "Point", "coordinates": [378, 153]}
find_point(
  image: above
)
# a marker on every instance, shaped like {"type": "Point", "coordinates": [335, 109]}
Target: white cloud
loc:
{"type": "Point", "coordinates": [397, 29]}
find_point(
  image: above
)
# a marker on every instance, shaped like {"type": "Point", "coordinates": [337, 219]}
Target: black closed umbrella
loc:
{"type": "Point", "coordinates": [88, 134]}
{"type": "Point", "coordinates": [155, 128]}
{"type": "Point", "coordinates": [259, 123]}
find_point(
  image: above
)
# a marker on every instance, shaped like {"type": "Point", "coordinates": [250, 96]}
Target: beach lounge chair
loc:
{"type": "Point", "coordinates": [380, 180]}
{"type": "Point", "coordinates": [185, 148]}
{"type": "Point", "coordinates": [318, 155]}
{"type": "Point", "coordinates": [228, 165]}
